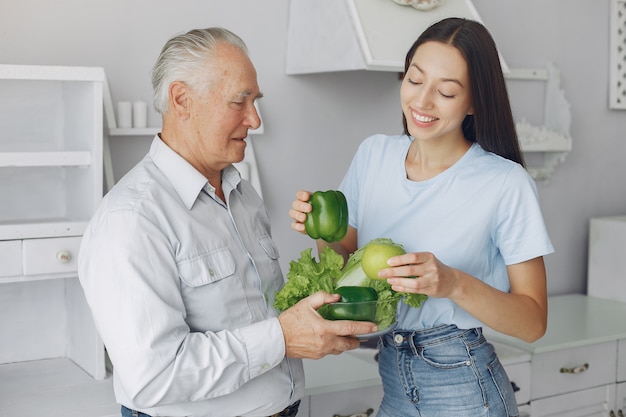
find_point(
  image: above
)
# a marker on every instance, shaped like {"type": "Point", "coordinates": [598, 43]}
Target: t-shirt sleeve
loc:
{"type": "Point", "coordinates": [520, 231]}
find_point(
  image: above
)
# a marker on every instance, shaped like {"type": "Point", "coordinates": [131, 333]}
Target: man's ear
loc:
{"type": "Point", "coordinates": [180, 99]}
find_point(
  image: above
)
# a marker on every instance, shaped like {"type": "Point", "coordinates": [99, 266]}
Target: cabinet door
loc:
{"type": "Point", "coordinates": [593, 402]}
{"type": "Point", "coordinates": [620, 400]}
{"type": "Point", "coordinates": [621, 361]}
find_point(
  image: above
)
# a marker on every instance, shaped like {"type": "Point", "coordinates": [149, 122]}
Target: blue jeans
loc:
{"type": "Point", "coordinates": [127, 412]}
{"type": "Point", "coordinates": [443, 372]}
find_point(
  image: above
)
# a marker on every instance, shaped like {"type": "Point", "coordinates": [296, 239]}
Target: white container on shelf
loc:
{"type": "Point", "coordinates": [606, 276]}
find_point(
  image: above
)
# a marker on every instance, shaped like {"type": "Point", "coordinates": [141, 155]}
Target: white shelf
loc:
{"type": "Point", "coordinates": [146, 131]}
{"type": "Point", "coordinates": [41, 228]}
{"type": "Point", "coordinates": [39, 159]}
{"type": "Point", "coordinates": [51, 73]}
{"type": "Point", "coordinates": [54, 388]}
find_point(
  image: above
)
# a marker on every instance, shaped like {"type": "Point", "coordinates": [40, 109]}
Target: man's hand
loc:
{"type": "Point", "coordinates": [308, 335]}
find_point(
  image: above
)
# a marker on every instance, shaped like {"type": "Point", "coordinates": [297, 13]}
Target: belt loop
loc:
{"type": "Point", "coordinates": [135, 413]}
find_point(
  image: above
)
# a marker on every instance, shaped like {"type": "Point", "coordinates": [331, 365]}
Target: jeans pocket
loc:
{"type": "Point", "coordinates": [448, 355]}
{"type": "Point", "coordinates": [504, 387]}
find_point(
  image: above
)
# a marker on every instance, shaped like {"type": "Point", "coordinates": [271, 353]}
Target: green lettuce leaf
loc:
{"type": "Point", "coordinates": [307, 276]}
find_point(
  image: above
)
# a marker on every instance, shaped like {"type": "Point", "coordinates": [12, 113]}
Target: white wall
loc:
{"type": "Point", "coordinates": [313, 123]}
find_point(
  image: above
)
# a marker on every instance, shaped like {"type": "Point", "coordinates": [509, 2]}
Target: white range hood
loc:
{"type": "Point", "coordinates": [344, 35]}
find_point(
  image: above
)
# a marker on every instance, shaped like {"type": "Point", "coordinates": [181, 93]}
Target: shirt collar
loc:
{"type": "Point", "coordinates": [186, 180]}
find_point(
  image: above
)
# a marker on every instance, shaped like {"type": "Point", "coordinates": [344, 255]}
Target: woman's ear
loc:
{"type": "Point", "coordinates": [180, 99]}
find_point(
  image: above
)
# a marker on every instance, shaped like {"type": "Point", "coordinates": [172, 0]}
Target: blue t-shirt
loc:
{"type": "Point", "coordinates": [477, 216]}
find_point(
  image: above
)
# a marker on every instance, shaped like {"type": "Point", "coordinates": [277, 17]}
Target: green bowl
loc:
{"type": "Point", "coordinates": [358, 311]}
{"type": "Point", "coordinates": [381, 312]}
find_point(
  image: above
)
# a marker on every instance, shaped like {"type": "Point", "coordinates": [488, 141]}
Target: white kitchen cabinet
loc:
{"type": "Point", "coordinates": [51, 130]}
{"type": "Point", "coordinates": [579, 367]}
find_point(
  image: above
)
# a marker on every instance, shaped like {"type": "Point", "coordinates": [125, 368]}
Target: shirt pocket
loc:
{"type": "Point", "coordinates": [208, 268]}
{"type": "Point", "coordinates": [269, 247]}
{"type": "Point", "coordinates": [213, 292]}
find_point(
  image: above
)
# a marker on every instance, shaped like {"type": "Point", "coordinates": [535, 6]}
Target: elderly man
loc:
{"type": "Point", "coordinates": [178, 264]}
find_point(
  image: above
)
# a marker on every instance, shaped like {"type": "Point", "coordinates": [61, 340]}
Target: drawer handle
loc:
{"type": "Point", "coordinates": [515, 387]}
{"type": "Point", "coordinates": [64, 256]}
{"type": "Point", "coordinates": [575, 370]}
{"type": "Point", "coordinates": [365, 414]}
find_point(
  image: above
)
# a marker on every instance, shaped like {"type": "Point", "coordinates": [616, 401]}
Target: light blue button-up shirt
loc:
{"type": "Point", "coordinates": [181, 288]}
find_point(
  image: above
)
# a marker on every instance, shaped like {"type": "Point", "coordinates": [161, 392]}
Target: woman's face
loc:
{"type": "Point", "coordinates": [435, 93]}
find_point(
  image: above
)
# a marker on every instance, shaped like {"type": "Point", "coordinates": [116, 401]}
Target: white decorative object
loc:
{"type": "Point", "coordinates": [606, 264]}
{"type": "Point", "coordinates": [125, 114]}
{"type": "Point", "coordinates": [617, 86]}
{"type": "Point", "coordinates": [423, 5]}
{"type": "Point", "coordinates": [552, 139]}
{"type": "Point", "coordinates": [140, 114]}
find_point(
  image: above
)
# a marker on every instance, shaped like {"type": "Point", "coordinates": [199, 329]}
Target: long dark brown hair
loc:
{"type": "Point", "coordinates": [492, 125]}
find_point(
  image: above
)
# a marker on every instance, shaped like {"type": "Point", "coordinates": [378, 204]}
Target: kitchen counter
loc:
{"type": "Point", "coordinates": [574, 320]}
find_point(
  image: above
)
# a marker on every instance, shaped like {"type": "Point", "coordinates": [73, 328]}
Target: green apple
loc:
{"type": "Point", "coordinates": [376, 255]}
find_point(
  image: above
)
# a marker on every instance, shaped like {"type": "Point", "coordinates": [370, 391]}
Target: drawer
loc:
{"type": "Point", "coordinates": [519, 374]}
{"type": "Point", "coordinates": [346, 403]}
{"type": "Point", "coordinates": [50, 256]}
{"type": "Point", "coordinates": [573, 369]}
{"type": "Point", "coordinates": [621, 361]}
{"type": "Point", "coordinates": [589, 402]}
{"type": "Point", "coordinates": [10, 258]}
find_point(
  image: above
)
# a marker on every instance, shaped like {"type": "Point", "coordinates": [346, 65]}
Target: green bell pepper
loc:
{"type": "Point", "coordinates": [328, 219]}
{"type": "Point", "coordinates": [357, 303]}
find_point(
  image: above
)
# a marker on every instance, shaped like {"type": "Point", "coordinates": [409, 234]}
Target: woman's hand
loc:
{"type": "Point", "coordinates": [521, 312]}
{"type": "Point", "coordinates": [420, 273]}
{"type": "Point", "coordinates": [299, 209]}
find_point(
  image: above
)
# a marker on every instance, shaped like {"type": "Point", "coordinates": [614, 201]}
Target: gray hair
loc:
{"type": "Point", "coordinates": [184, 58]}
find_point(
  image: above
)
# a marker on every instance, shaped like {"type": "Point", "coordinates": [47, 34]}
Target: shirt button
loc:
{"type": "Point", "coordinates": [266, 366]}
{"type": "Point", "coordinates": [398, 339]}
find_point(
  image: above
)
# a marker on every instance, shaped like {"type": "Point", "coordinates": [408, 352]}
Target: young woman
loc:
{"type": "Point", "coordinates": [454, 192]}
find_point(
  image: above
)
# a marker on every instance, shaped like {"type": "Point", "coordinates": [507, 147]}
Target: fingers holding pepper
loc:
{"type": "Point", "coordinates": [300, 207]}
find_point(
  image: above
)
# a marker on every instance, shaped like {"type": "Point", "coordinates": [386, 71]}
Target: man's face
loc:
{"type": "Point", "coordinates": [221, 116]}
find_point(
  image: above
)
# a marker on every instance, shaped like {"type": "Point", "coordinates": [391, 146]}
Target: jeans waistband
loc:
{"type": "Point", "coordinates": [423, 337]}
